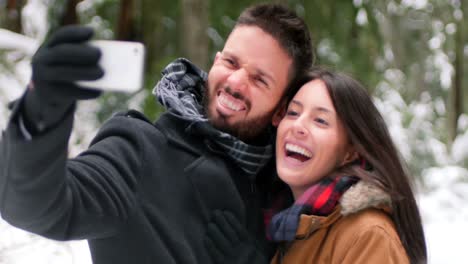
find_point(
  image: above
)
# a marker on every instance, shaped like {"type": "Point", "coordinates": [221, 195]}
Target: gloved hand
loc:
{"type": "Point", "coordinates": [227, 241]}
{"type": "Point", "coordinates": [62, 60]}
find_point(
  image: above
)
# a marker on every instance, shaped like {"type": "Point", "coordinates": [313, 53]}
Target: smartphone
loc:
{"type": "Point", "coordinates": [123, 65]}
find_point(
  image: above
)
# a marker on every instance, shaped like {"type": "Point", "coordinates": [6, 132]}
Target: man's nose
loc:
{"type": "Point", "coordinates": [238, 80]}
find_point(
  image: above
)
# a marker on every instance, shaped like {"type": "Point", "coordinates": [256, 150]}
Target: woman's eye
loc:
{"type": "Point", "coordinates": [321, 121]}
{"type": "Point", "coordinates": [291, 113]}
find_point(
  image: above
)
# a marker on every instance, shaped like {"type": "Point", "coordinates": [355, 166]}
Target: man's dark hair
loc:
{"type": "Point", "coordinates": [289, 30]}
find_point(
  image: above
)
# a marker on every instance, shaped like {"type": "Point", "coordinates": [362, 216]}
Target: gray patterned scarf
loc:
{"type": "Point", "coordinates": [180, 90]}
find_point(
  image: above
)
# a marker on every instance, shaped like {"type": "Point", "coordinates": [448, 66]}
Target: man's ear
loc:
{"type": "Point", "coordinates": [217, 56]}
{"type": "Point", "coordinates": [279, 113]}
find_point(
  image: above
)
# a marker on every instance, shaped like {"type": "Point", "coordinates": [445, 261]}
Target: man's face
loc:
{"type": "Point", "coordinates": [246, 83]}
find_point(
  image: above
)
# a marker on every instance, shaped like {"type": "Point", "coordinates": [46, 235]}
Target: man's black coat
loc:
{"type": "Point", "coordinates": [141, 193]}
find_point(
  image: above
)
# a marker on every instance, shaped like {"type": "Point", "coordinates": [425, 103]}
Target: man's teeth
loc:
{"type": "Point", "coordinates": [298, 150]}
{"type": "Point", "coordinates": [228, 103]}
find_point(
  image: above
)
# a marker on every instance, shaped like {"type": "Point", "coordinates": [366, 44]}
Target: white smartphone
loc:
{"type": "Point", "coordinates": [123, 65]}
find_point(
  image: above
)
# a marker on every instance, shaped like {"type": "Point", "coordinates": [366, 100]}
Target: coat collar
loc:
{"type": "Point", "coordinates": [361, 196]}
{"type": "Point", "coordinates": [176, 130]}
{"type": "Point", "coordinates": [364, 195]}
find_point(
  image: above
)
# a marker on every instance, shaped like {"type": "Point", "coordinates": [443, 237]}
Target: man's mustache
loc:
{"type": "Point", "coordinates": [237, 95]}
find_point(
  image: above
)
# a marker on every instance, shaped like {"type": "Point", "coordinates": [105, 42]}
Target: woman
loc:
{"type": "Point", "coordinates": [353, 200]}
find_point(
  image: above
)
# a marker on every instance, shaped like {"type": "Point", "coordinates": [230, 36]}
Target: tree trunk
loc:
{"type": "Point", "coordinates": [69, 15]}
{"type": "Point", "coordinates": [195, 41]}
{"type": "Point", "coordinates": [12, 19]}
{"type": "Point", "coordinates": [150, 30]}
{"type": "Point", "coordinates": [456, 94]}
{"type": "Point", "coordinates": [125, 29]}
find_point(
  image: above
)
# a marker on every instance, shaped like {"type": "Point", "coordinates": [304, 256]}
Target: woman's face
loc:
{"type": "Point", "coordinates": [311, 141]}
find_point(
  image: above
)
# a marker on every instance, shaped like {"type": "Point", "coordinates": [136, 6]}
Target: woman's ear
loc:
{"type": "Point", "coordinates": [350, 156]}
{"type": "Point", "coordinates": [279, 114]}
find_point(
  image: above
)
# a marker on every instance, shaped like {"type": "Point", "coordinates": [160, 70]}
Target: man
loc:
{"type": "Point", "coordinates": [143, 192]}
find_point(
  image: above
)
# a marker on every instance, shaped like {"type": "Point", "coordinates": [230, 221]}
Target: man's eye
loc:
{"type": "Point", "coordinates": [229, 61]}
{"type": "Point", "coordinates": [261, 81]}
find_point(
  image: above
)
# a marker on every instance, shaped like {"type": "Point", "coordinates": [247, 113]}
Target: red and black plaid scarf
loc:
{"type": "Point", "coordinates": [320, 199]}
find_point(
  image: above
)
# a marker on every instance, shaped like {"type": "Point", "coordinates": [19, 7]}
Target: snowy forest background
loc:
{"type": "Point", "coordinates": [411, 54]}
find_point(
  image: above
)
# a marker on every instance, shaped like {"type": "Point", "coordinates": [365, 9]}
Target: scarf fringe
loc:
{"type": "Point", "coordinates": [179, 100]}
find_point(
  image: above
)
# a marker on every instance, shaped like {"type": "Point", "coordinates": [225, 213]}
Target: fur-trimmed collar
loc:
{"type": "Point", "coordinates": [364, 195]}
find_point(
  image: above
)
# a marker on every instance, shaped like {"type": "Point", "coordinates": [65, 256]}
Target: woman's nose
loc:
{"type": "Point", "coordinates": [299, 129]}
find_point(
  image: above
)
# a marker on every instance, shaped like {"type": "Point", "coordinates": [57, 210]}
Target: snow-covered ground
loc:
{"type": "Point", "coordinates": [444, 210]}
{"type": "Point", "coordinates": [20, 247]}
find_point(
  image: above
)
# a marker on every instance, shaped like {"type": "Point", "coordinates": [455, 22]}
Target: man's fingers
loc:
{"type": "Point", "coordinates": [58, 91]}
{"type": "Point", "coordinates": [219, 238]}
{"type": "Point", "coordinates": [229, 229]}
{"type": "Point", "coordinates": [67, 74]}
{"type": "Point", "coordinates": [69, 54]}
{"type": "Point", "coordinates": [238, 229]}
{"type": "Point", "coordinates": [215, 254]}
{"type": "Point", "coordinates": [70, 34]}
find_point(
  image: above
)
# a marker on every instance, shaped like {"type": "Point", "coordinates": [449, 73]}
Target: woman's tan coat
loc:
{"type": "Point", "coordinates": [358, 231]}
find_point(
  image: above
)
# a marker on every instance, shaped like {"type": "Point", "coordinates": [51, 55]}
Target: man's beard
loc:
{"type": "Point", "coordinates": [252, 131]}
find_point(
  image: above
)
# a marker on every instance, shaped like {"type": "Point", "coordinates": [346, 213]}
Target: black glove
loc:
{"type": "Point", "coordinates": [228, 242]}
{"type": "Point", "coordinates": [62, 60]}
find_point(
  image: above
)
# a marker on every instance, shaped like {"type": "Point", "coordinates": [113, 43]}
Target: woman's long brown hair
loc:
{"type": "Point", "coordinates": [369, 135]}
